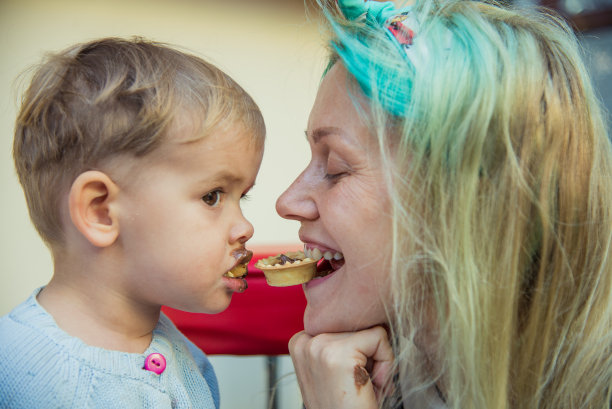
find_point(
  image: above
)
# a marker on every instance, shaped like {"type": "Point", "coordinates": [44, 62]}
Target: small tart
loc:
{"type": "Point", "coordinates": [290, 268]}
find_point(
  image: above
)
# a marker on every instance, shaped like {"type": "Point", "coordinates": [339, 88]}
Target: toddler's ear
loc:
{"type": "Point", "coordinates": [92, 207]}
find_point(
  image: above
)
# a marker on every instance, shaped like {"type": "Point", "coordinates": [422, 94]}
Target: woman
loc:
{"type": "Point", "coordinates": [460, 173]}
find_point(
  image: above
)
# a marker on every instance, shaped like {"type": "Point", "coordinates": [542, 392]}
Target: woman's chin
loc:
{"type": "Point", "coordinates": [325, 320]}
{"type": "Point", "coordinates": [314, 325]}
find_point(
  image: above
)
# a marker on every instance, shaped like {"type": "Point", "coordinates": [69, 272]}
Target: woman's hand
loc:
{"type": "Point", "coordinates": [343, 370]}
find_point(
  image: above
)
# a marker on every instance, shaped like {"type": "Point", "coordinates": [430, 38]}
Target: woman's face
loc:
{"type": "Point", "coordinates": [343, 206]}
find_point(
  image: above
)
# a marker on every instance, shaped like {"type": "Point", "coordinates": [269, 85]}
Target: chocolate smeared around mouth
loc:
{"type": "Point", "coordinates": [244, 285]}
{"type": "Point", "coordinates": [242, 256]}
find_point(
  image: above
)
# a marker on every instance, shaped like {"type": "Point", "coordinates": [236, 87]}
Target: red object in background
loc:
{"type": "Point", "coordinates": [259, 321]}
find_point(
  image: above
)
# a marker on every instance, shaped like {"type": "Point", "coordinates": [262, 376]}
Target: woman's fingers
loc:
{"type": "Point", "coordinates": [332, 369]}
{"type": "Point", "coordinates": [378, 348]}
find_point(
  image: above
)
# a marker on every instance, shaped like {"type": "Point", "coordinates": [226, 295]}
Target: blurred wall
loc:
{"type": "Point", "coordinates": [270, 47]}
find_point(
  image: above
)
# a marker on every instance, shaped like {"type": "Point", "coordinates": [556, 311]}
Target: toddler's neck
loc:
{"type": "Point", "coordinates": [100, 317]}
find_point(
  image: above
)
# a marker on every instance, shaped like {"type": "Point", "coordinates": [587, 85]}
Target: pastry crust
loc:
{"type": "Point", "coordinates": [290, 268]}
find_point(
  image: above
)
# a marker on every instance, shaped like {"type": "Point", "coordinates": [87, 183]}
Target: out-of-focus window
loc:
{"type": "Point", "coordinates": [584, 14]}
{"type": "Point", "coordinates": [592, 20]}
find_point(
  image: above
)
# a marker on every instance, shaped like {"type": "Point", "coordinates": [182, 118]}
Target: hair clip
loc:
{"type": "Point", "coordinates": [401, 32]}
{"type": "Point", "coordinates": [382, 14]}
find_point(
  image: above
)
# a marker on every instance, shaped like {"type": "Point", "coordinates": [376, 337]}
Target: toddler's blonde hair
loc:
{"type": "Point", "coordinates": [114, 96]}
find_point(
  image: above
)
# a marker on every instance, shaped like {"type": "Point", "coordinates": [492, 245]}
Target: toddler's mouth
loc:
{"type": "Point", "coordinates": [235, 278]}
{"type": "Point", "coordinates": [242, 256]}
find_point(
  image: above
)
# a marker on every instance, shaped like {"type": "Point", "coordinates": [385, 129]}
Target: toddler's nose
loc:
{"type": "Point", "coordinates": [242, 231]}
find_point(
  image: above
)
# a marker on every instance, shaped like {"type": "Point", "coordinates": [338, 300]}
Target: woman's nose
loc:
{"type": "Point", "coordinates": [297, 202]}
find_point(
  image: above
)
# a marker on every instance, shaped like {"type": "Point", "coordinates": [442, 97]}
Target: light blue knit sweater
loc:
{"type": "Point", "coordinates": [41, 366]}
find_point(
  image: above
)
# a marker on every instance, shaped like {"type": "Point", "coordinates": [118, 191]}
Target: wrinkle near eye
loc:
{"type": "Point", "coordinates": [336, 164]}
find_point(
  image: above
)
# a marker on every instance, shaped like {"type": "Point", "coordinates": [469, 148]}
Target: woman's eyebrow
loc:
{"type": "Point", "coordinates": [321, 133]}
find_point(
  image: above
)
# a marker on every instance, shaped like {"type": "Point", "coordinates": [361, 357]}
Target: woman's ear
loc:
{"type": "Point", "coordinates": [92, 204]}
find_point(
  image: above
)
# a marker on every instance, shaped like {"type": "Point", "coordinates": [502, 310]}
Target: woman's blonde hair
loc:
{"type": "Point", "coordinates": [500, 170]}
{"type": "Point", "coordinates": [113, 96]}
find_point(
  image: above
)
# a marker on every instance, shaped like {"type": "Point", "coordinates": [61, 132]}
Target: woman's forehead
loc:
{"type": "Point", "coordinates": [337, 104]}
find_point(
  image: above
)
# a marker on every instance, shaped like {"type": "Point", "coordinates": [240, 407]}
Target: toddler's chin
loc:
{"type": "Point", "coordinates": [209, 307]}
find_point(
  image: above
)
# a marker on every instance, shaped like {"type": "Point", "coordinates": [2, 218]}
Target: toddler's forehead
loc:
{"type": "Point", "coordinates": [190, 128]}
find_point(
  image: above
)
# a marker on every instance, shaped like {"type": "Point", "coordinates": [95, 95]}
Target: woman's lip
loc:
{"type": "Point", "coordinates": [315, 282]}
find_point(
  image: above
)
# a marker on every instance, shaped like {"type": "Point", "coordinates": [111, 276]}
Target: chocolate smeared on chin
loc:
{"type": "Point", "coordinates": [244, 285]}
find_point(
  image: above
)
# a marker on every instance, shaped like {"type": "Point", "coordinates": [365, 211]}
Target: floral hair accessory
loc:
{"type": "Point", "coordinates": [398, 23]}
{"type": "Point", "coordinates": [402, 33]}
{"type": "Point", "coordinates": [363, 45]}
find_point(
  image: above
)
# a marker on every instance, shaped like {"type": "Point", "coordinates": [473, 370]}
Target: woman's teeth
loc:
{"type": "Point", "coordinates": [317, 254]}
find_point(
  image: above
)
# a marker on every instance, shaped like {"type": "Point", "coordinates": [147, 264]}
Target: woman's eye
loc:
{"type": "Point", "coordinates": [212, 198]}
{"type": "Point", "coordinates": [336, 167]}
{"type": "Point", "coordinates": [335, 176]}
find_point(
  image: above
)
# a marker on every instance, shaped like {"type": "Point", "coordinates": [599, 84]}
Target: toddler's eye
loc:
{"type": "Point", "coordinates": [212, 198]}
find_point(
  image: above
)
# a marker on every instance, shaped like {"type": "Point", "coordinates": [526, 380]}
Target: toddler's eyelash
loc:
{"type": "Point", "coordinates": [245, 197]}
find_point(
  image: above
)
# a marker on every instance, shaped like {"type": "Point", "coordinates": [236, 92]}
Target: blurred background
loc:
{"type": "Point", "coordinates": [274, 50]}
{"type": "Point", "coordinates": [592, 20]}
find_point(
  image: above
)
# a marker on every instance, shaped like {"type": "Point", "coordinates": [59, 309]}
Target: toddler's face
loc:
{"type": "Point", "coordinates": [180, 220]}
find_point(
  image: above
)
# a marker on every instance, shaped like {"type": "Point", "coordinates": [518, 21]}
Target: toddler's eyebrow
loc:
{"type": "Point", "coordinates": [224, 177]}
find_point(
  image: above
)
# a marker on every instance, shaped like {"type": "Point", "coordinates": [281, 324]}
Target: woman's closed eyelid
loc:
{"type": "Point", "coordinates": [334, 177]}
{"type": "Point", "coordinates": [336, 165]}
{"type": "Point", "coordinates": [336, 172]}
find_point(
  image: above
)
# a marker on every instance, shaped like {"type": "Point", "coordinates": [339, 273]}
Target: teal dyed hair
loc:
{"type": "Point", "coordinates": [372, 56]}
{"type": "Point", "coordinates": [445, 90]}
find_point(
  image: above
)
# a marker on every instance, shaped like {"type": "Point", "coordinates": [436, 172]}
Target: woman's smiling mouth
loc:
{"type": "Point", "coordinates": [330, 260]}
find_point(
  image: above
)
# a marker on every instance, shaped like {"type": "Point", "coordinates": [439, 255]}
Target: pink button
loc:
{"type": "Point", "coordinates": [155, 363]}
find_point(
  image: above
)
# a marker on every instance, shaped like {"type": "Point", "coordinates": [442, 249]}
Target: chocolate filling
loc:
{"type": "Point", "coordinates": [285, 259]}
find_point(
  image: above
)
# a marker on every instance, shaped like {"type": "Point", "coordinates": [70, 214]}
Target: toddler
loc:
{"type": "Point", "coordinates": [134, 158]}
